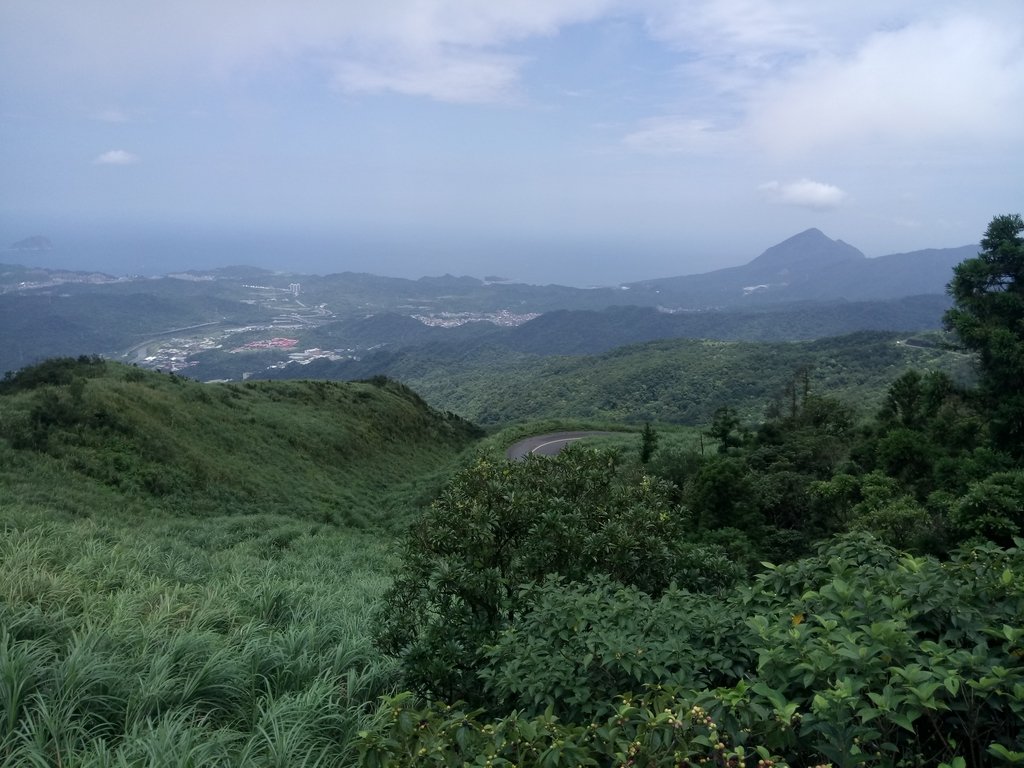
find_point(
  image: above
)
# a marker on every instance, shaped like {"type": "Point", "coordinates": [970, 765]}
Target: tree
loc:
{"type": "Point", "coordinates": [725, 427]}
{"type": "Point", "coordinates": [498, 526]}
{"type": "Point", "coordinates": [988, 316]}
{"type": "Point", "coordinates": [648, 442]}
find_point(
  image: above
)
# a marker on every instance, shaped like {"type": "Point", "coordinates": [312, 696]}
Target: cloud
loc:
{"type": "Point", "coordinates": [458, 78]}
{"type": "Point", "coordinates": [116, 157]}
{"type": "Point", "coordinates": [675, 135]}
{"type": "Point", "coordinates": [804, 193]}
{"type": "Point", "coordinates": [912, 81]}
{"type": "Point", "coordinates": [795, 51]}
{"type": "Point", "coordinates": [451, 50]}
{"type": "Point", "coordinates": [953, 79]}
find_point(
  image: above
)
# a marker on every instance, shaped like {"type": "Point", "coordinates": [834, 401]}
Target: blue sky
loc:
{"type": "Point", "coordinates": [579, 141]}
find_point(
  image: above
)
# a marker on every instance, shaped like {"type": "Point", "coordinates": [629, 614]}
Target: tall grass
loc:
{"type": "Point", "coordinates": [187, 571]}
{"type": "Point", "coordinates": [131, 646]}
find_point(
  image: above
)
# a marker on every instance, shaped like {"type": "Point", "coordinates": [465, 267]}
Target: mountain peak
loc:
{"type": "Point", "coordinates": [812, 247]}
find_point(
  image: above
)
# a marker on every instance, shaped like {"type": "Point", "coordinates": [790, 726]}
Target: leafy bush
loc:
{"type": "Point", "coordinates": [578, 646]}
{"type": "Point", "coordinates": [500, 525]}
{"type": "Point", "coordinates": [57, 371]}
{"type": "Point", "coordinates": [992, 508]}
{"type": "Point", "coordinates": [857, 656]}
{"type": "Point", "coordinates": [658, 730]}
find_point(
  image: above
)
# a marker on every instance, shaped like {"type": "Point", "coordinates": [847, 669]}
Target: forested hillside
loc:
{"type": "Point", "coordinates": [806, 287]}
{"type": "Point", "coordinates": [816, 590]}
{"type": "Point", "coordinates": [680, 381]}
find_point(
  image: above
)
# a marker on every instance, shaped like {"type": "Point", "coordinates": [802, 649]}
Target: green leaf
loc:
{"type": "Point", "coordinates": [1010, 756]}
{"type": "Point", "coordinates": [952, 684]}
{"type": "Point", "coordinates": [903, 721]}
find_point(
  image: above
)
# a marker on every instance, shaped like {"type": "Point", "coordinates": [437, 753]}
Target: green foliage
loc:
{"type": "Point", "coordinates": [648, 442]}
{"type": "Point", "coordinates": [57, 371]}
{"type": "Point", "coordinates": [673, 381]}
{"type": "Point", "coordinates": [759, 482]}
{"type": "Point", "coordinates": [725, 428]}
{"type": "Point", "coordinates": [988, 317]}
{"type": "Point", "coordinates": [187, 571]}
{"type": "Point", "coordinates": [657, 730]}
{"type": "Point", "coordinates": [500, 525]}
{"type": "Point", "coordinates": [930, 475]}
{"type": "Point", "coordinates": [992, 508]}
{"type": "Point", "coordinates": [858, 656]}
{"type": "Point", "coordinates": [578, 646]}
{"type": "Point", "coordinates": [722, 495]}
{"type": "Point", "coordinates": [889, 657]}
{"type": "Point", "coordinates": [876, 503]}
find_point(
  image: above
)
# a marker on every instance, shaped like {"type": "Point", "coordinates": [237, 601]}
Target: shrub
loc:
{"type": "Point", "coordinates": [857, 656]}
{"type": "Point", "coordinates": [500, 525]}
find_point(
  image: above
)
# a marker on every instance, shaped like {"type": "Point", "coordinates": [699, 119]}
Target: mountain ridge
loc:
{"type": "Point", "coordinates": [810, 266]}
{"type": "Point", "coordinates": [50, 312]}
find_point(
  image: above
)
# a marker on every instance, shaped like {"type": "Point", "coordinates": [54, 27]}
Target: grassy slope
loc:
{"type": "Point", "coordinates": [326, 451]}
{"type": "Point", "coordinates": [187, 572]}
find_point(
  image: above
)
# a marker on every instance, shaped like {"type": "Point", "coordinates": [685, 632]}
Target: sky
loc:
{"type": "Point", "coordinates": [573, 141]}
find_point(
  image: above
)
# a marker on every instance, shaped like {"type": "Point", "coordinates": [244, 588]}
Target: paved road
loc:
{"type": "Point", "coordinates": [549, 444]}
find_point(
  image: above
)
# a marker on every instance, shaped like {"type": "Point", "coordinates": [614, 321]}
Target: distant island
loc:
{"type": "Point", "coordinates": [34, 243]}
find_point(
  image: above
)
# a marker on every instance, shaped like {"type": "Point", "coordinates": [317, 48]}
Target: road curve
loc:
{"type": "Point", "coordinates": [549, 444]}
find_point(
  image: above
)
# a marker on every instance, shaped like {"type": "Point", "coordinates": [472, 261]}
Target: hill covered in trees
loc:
{"type": "Point", "coordinates": [681, 381]}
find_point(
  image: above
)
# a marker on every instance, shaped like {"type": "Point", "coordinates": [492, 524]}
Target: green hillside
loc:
{"type": "Point", "coordinates": [680, 381]}
{"type": "Point", "coordinates": [326, 451]}
{"type": "Point", "coordinates": [187, 571]}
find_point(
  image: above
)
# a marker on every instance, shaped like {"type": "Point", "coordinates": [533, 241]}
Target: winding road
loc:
{"type": "Point", "coordinates": [549, 444]}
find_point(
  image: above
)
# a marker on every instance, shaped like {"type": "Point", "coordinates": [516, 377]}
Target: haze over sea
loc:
{"type": "Point", "coordinates": [157, 249]}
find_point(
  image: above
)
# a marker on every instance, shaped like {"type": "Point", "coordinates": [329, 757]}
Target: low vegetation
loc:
{"type": "Point", "coordinates": [187, 571]}
{"type": "Point", "coordinates": [323, 451]}
{"type": "Point", "coordinates": [895, 642]}
{"type": "Point", "coordinates": [174, 642]}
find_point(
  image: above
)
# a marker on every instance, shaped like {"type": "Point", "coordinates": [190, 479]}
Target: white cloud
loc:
{"type": "Point", "coordinates": [116, 157]}
{"type": "Point", "coordinates": [955, 79]}
{"type": "Point", "coordinates": [873, 83]}
{"type": "Point", "coordinates": [458, 78]}
{"type": "Point", "coordinates": [671, 135]}
{"type": "Point", "coordinates": [461, 50]}
{"type": "Point", "coordinates": [452, 50]}
{"type": "Point", "coordinates": [804, 193]}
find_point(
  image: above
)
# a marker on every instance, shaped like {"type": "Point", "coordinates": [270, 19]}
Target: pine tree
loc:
{"type": "Point", "coordinates": [988, 316]}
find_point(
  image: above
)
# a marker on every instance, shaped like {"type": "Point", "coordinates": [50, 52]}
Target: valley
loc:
{"type": "Point", "coordinates": [220, 324]}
